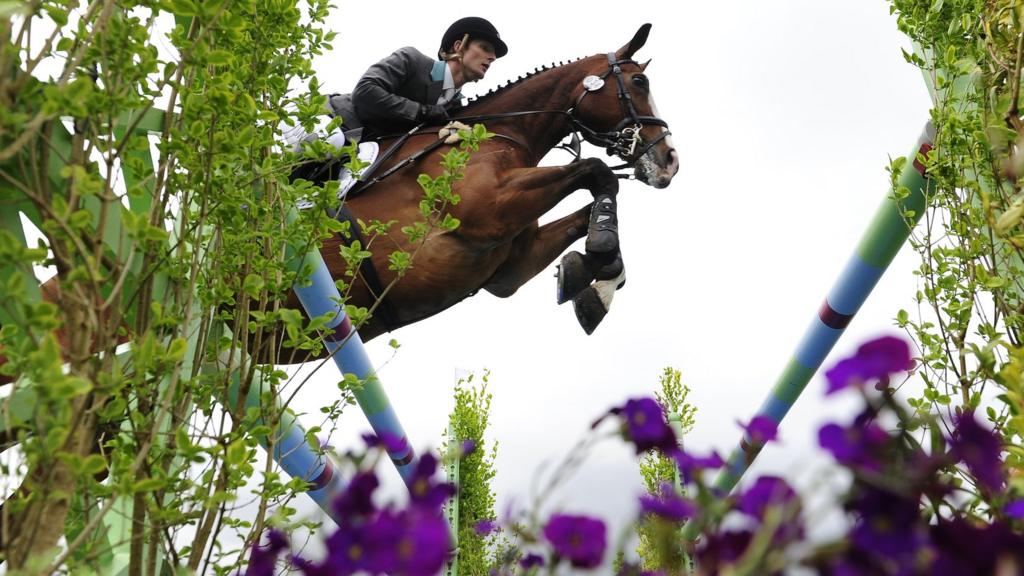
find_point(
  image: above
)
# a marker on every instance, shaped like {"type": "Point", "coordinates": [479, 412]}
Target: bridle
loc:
{"type": "Point", "coordinates": [622, 141]}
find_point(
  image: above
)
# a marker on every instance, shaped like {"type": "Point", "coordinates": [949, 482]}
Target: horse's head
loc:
{"type": "Point", "coordinates": [616, 110]}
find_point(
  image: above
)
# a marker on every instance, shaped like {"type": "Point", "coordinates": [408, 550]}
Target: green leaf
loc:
{"type": "Point", "coordinates": [219, 57]}
{"type": "Point", "coordinates": [147, 485]}
{"type": "Point", "coordinates": [253, 285]}
{"type": "Point", "coordinates": [237, 452]}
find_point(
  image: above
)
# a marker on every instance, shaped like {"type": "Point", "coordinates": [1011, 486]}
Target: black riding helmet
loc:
{"type": "Point", "coordinates": [477, 28]}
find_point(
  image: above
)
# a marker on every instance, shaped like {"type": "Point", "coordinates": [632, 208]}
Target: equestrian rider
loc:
{"type": "Point", "coordinates": [408, 88]}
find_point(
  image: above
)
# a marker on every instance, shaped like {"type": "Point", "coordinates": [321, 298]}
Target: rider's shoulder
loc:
{"type": "Point", "coordinates": [411, 53]}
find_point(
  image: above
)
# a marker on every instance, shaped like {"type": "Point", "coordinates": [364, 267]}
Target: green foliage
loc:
{"type": "Point", "coordinates": [468, 422]}
{"type": "Point", "coordinates": [970, 314]}
{"type": "Point", "coordinates": [186, 257]}
{"type": "Point", "coordinates": [658, 547]}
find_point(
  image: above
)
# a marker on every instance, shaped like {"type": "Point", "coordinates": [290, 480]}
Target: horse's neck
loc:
{"type": "Point", "coordinates": [551, 89]}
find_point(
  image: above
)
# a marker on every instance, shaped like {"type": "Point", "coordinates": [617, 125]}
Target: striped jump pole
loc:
{"type": "Point", "coordinates": [319, 297]}
{"type": "Point", "coordinates": [888, 231]}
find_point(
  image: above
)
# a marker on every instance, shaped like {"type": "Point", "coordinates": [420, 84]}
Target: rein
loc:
{"type": "Point", "coordinates": [621, 141]}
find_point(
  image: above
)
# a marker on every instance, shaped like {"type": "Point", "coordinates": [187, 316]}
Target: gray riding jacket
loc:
{"type": "Point", "coordinates": [387, 98]}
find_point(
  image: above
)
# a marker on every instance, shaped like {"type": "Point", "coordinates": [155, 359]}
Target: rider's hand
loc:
{"type": "Point", "coordinates": [432, 112]}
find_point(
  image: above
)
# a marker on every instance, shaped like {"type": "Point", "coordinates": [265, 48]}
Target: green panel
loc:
{"type": "Point", "coordinates": [18, 408]}
{"type": "Point", "coordinates": [10, 221]}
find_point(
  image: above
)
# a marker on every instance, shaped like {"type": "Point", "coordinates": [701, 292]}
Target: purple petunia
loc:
{"type": "Point", "coordinates": [667, 505]}
{"type": "Point", "coordinates": [423, 490]}
{"type": "Point", "coordinates": [761, 429]}
{"type": "Point", "coordinates": [874, 360]}
{"type": "Point", "coordinates": [860, 445]}
{"type": "Point", "coordinates": [643, 424]}
{"type": "Point", "coordinates": [468, 446]}
{"type": "Point", "coordinates": [263, 560]}
{"type": "Point", "coordinates": [388, 442]}
{"type": "Point", "coordinates": [722, 549]}
{"type": "Point", "coordinates": [531, 560]}
{"type": "Point", "coordinates": [420, 549]}
{"type": "Point", "coordinates": [579, 539]}
{"type": "Point", "coordinates": [485, 527]}
{"type": "Point", "coordinates": [766, 492]}
{"type": "Point", "coordinates": [979, 448]}
{"type": "Point", "coordinates": [689, 464]}
{"type": "Point", "coordinates": [1015, 509]}
{"type": "Point", "coordinates": [357, 499]}
{"type": "Point", "coordinates": [888, 525]}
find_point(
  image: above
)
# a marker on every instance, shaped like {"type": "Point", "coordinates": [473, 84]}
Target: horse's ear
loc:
{"type": "Point", "coordinates": [644, 65]}
{"type": "Point", "coordinates": [639, 39]}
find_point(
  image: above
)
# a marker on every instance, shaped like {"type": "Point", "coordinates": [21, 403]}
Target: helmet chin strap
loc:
{"type": "Point", "coordinates": [457, 55]}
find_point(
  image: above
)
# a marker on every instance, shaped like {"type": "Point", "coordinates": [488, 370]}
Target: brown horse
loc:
{"type": "Point", "coordinates": [500, 244]}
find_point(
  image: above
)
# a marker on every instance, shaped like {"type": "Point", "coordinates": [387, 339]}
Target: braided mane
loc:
{"type": "Point", "coordinates": [500, 89]}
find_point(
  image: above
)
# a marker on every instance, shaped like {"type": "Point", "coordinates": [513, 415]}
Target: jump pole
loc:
{"type": "Point", "coordinates": [885, 235]}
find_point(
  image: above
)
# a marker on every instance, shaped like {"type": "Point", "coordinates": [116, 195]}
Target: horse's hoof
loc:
{"type": "Point", "coordinates": [573, 276]}
{"type": "Point", "coordinates": [590, 309]}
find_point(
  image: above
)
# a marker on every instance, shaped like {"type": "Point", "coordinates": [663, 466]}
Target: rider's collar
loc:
{"type": "Point", "coordinates": [437, 72]}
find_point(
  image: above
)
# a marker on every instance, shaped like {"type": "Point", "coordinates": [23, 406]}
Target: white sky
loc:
{"type": "Point", "coordinates": [785, 115]}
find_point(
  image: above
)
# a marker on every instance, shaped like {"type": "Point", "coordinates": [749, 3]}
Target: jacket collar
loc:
{"type": "Point", "coordinates": [437, 72]}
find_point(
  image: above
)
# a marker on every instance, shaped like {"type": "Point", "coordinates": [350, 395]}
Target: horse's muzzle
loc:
{"type": "Point", "coordinates": [656, 170]}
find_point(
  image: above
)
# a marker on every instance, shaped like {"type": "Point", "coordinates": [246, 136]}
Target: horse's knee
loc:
{"type": "Point", "coordinates": [501, 290]}
{"type": "Point", "coordinates": [603, 180]}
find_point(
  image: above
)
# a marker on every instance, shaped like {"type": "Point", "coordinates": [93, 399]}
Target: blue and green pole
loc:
{"type": "Point", "coordinates": [319, 296]}
{"type": "Point", "coordinates": [888, 231]}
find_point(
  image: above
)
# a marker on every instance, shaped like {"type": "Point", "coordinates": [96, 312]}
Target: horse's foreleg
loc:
{"type": "Point", "coordinates": [534, 249]}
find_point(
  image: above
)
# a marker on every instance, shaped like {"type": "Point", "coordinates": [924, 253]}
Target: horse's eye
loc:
{"type": "Point", "coordinates": [640, 80]}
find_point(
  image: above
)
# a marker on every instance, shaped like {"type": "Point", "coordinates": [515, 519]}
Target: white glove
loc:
{"type": "Point", "coordinates": [450, 133]}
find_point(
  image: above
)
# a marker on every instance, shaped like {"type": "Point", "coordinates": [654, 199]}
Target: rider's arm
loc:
{"type": "Point", "coordinates": [376, 95]}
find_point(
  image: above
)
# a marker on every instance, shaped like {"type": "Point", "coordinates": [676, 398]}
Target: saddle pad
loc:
{"type": "Point", "coordinates": [367, 153]}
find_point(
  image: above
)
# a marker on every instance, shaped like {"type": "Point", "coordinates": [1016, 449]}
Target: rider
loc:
{"type": "Point", "coordinates": [408, 88]}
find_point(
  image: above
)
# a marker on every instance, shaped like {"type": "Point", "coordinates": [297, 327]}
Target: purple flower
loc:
{"type": "Point", "coordinates": [263, 560]}
{"type": "Point", "coordinates": [667, 505]}
{"type": "Point", "coordinates": [643, 422]}
{"type": "Point", "coordinates": [346, 553]}
{"type": "Point", "coordinates": [773, 493]}
{"type": "Point", "coordinates": [874, 360]}
{"type": "Point", "coordinates": [411, 542]}
{"type": "Point", "coordinates": [1015, 509]}
{"type": "Point", "coordinates": [579, 539]}
{"type": "Point", "coordinates": [888, 525]}
{"type": "Point", "coordinates": [721, 549]}
{"type": "Point", "coordinates": [357, 499]}
{"type": "Point", "coordinates": [766, 492]}
{"type": "Point", "coordinates": [968, 547]}
{"type": "Point", "coordinates": [979, 448]}
{"type": "Point", "coordinates": [485, 527]}
{"type": "Point", "coordinates": [423, 491]}
{"type": "Point", "coordinates": [389, 442]}
{"type": "Point", "coordinates": [531, 560]}
{"type": "Point", "coordinates": [861, 445]}
{"type": "Point", "coordinates": [690, 465]}
{"type": "Point", "coordinates": [761, 429]}
{"type": "Point", "coordinates": [468, 446]}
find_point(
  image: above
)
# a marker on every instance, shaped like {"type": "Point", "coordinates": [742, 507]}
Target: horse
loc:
{"type": "Point", "coordinates": [500, 245]}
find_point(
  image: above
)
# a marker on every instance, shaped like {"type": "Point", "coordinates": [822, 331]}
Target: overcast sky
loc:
{"type": "Point", "coordinates": [785, 116]}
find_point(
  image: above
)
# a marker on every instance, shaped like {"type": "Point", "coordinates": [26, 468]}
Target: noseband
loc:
{"type": "Point", "coordinates": [622, 141]}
